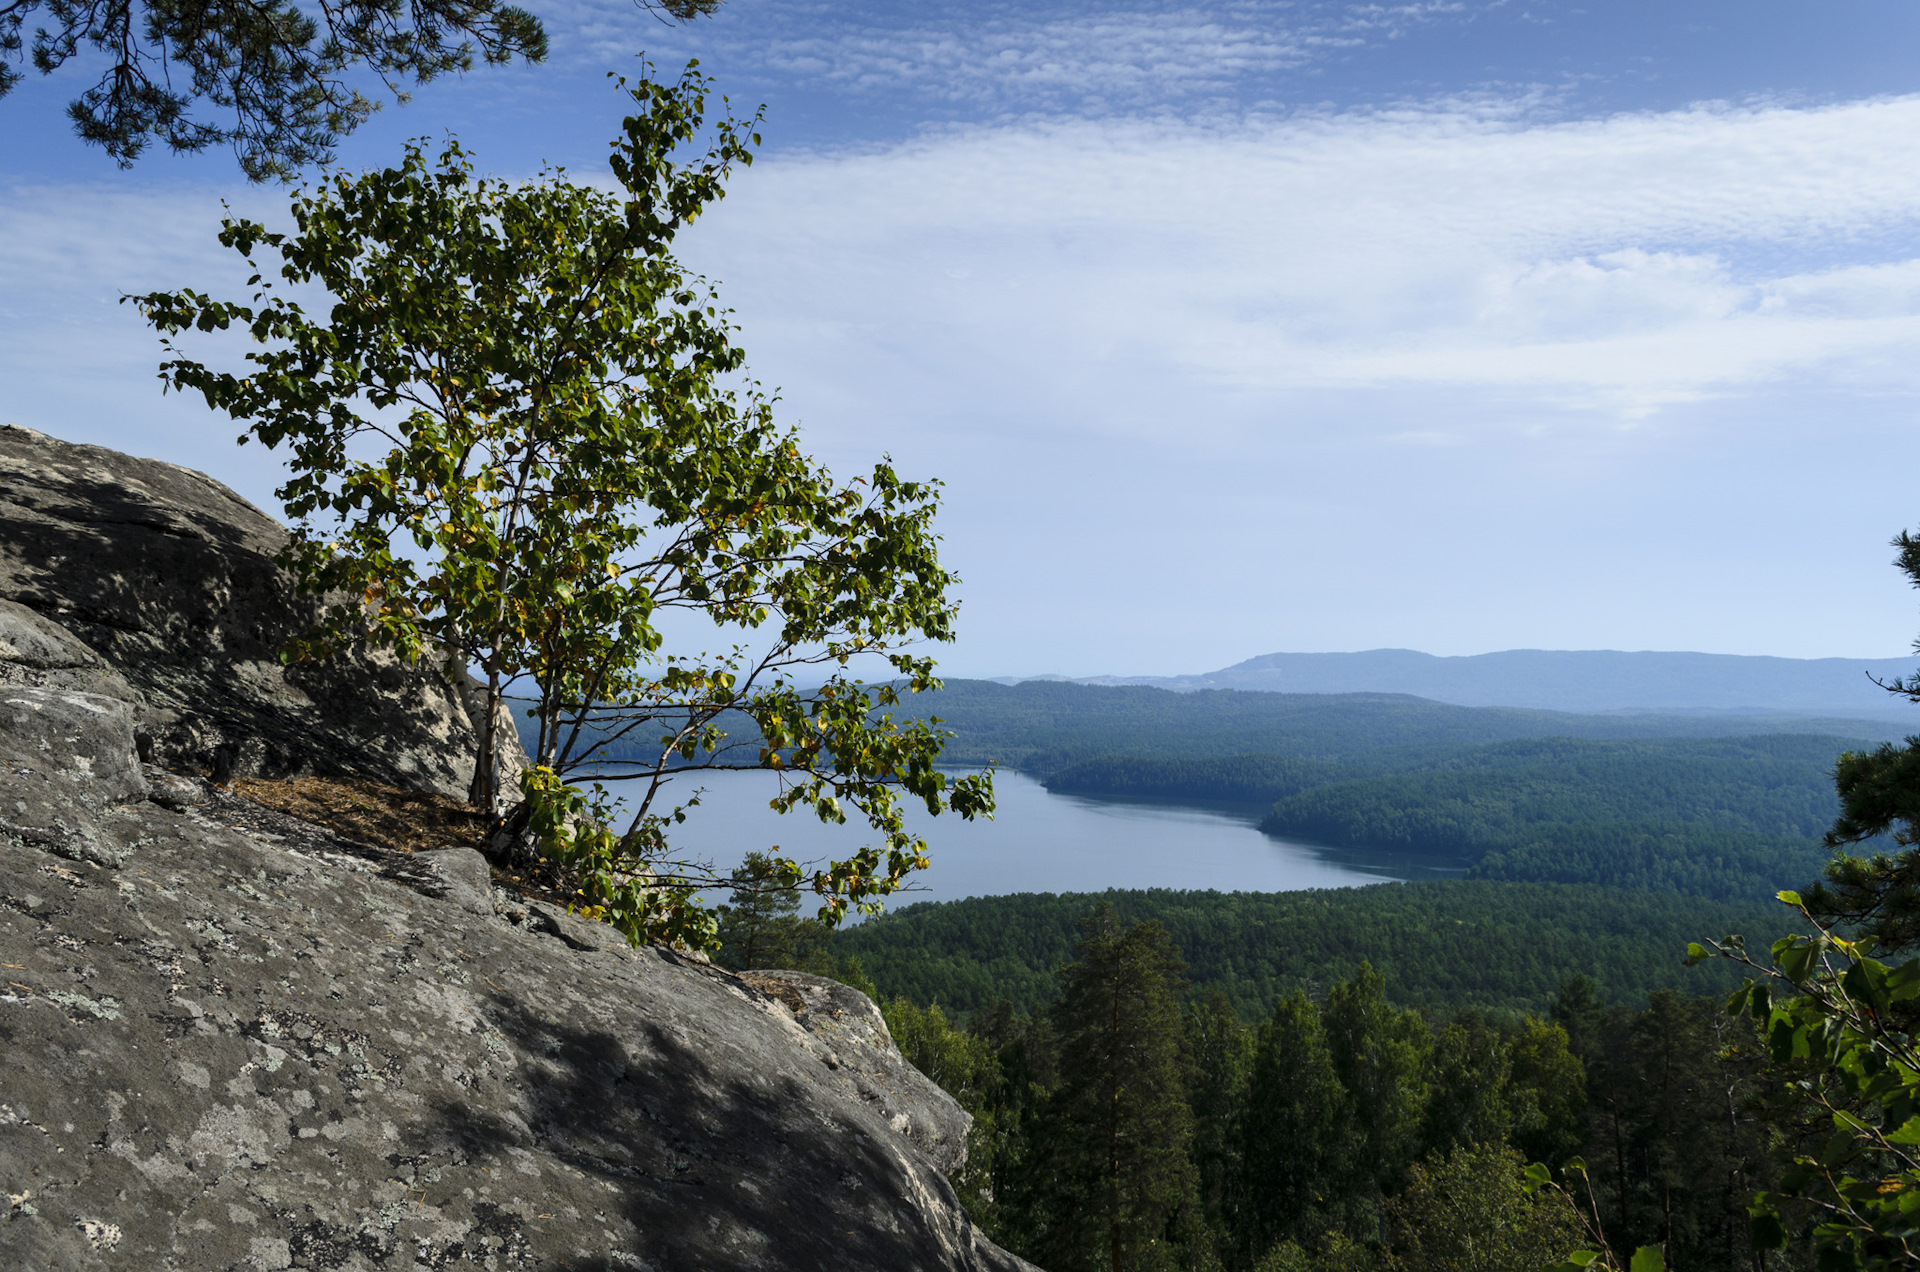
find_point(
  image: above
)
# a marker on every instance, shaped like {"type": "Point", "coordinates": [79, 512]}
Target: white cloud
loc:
{"type": "Point", "coordinates": [1621, 263]}
{"type": "Point", "coordinates": [1112, 57]}
{"type": "Point", "coordinates": [1322, 382]}
{"type": "Point", "coordinates": [1020, 58]}
{"type": "Point", "coordinates": [1625, 262]}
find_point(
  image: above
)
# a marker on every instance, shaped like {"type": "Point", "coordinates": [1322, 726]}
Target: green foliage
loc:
{"type": "Point", "coordinates": [968, 1067]}
{"type": "Point", "coordinates": [760, 926]}
{"type": "Point", "coordinates": [1221, 1051]}
{"type": "Point", "coordinates": [1838, 1025]}
{"type": "Point", "coordinates": [1379, 1053]}
{"type": "Point", "coordinates": [1469, 1080]}
{"type": "Point", "coordinates": [1337, 1253]}
{"type": "Point", "coordinates": [1662, 857]}
{"type": "Point", "coordinates": [1540, 1181]}
{"type": "Point", "coordinates": [571, 828]}
{"type": "Point", "coordinates": [1547, 1092]}
{"type": "Point", "coordinates": [1442, 945]}
{"type": "Point", "coordinates": [1879, 796]}
{"type": "Point", "coordinates": [1723, 817]}
{"type": "Point", "coordinates": [1369, 1137]}
{"type": "Point", "coordinates": [1112, 1161]}
{"type": "Point", "coordinates": [1471, 1210]}
{"type": "Point", "coordinates": [1231, 779]}
{"type": "Point", "coordinates": [1003, 1160]}
{"type": "Point", "coordinates": [1300, 1140]}
{"type": "Point", "coordinates": [566, 459]}
{"type": "Point", "coordinates": [1720, 817]}
{"type": "Point", "coordinates": [958, 1061]}
{"type": "Point", "coordinates": [280, 72]}
{"type": "Point", "coordinates": [1779, 784]}
{"type": "Point", "coordinates": [1673, 1149]}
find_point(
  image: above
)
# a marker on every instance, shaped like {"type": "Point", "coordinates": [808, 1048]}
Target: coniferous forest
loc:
{"type": "Point", "coordinates": [1532, 1063]}
{"type": "Point", "coordinates": [1127, 1113]}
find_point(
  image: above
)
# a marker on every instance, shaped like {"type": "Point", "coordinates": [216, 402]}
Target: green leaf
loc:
{"type": "Point", "coordinates": [1648, 1259]}
{"type": "Point", "coordinates": [1833, 1258]}
{"type": "Point", "coordinates": [1866, 981]}
{"type": "Point", "coordinates": [576, 451]}
{"type": "Point", "coordinates": [1908, 1132]}
{"type": "Point", "coordinates": [1795, 960]}
{"type": "Point", "coordinates": [1903, 982]}
{"type": "Point", "coordinates": [1767, 1232]}
{"type": "Point", "coordinates": [1789, 897]}
{"type": "Point", "coordinates": [1737, 1001]}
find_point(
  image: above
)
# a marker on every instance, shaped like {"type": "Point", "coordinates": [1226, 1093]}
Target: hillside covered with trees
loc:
{"type": "Point", "coordinates": [1664, 803]}
{"type": "Point", "coordinates": [1182, 1080]}
{"type": "Point", "coordinates": [1043, 726]}
{"type": "Point", "coordinates": [1443, 945]}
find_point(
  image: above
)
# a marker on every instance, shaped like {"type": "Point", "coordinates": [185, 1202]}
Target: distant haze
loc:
{"type": "Point", "coordinates": [1572, 680]}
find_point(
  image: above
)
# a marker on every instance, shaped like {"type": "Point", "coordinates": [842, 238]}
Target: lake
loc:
{"type": "Point", "coordinates": [1042, 842]}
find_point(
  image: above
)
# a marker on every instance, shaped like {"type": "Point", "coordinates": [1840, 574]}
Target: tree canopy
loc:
{"type": "Point", "coordinates": [1878, 895]}
{"type": "Point", "coordinates": [520, 440]}
{"type": "Point", "coordinates": [1113, 1149]}
{"type": "Point", "coordinates": [278, 72]}
{"type": "Point", "coordinates": [1336, 1132]}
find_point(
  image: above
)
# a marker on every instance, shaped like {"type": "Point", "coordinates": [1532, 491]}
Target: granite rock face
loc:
{"type": "Point", "coordinates": [230, 1040]}
{"type": "Point", "coordinates": [166, 579]}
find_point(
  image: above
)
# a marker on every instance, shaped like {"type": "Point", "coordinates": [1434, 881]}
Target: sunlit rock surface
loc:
{"type": "Point", "coordinates": [231, 1040]}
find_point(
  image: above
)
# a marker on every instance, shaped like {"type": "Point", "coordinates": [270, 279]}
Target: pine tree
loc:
{"type": "Point", "coordinates": [1222, 1050]}
{"type": "Point", "coordinates": [1113, 1168]}
{"type": "Point", "coordinates": [1297, 1138]}
{"type": "Point", "coordinates": [1027, 1055]}
{"type": "Point", "coordinates": [1469, 1076]}
{"type": "Point", "coordinates": [1380, 1052]}
{"type": "Point", "coordinates": [760, 926]}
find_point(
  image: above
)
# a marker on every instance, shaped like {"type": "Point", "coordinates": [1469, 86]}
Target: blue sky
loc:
{"type": "Point", "coordinates": [1232, 328]}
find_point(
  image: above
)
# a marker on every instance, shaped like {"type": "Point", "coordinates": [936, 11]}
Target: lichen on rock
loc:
{"type": "Point", "coordinates": [234, 1039]}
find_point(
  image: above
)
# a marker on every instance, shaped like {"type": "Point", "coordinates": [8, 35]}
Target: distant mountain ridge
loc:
{"type": "Point", "coordinates": [1571, 680]}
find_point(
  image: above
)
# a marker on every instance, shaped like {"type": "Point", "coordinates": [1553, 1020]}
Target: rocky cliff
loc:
{"type": "Point", "coordinates": [234, 1040]}
{"type": "Point", "coordinates": [168, 578]}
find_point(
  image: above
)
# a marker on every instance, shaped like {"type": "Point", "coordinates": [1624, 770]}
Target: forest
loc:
{"type": "Point", "coordinates": [1041, 727]}
{"type": "Point", "coordinates": [1719, 817]}
{"type": "Point", "coordinates": [1441, 944]}
{"type": "Point", "coordinates": [1494, 1071]}
{"type": "Point", "coordinates": [1145, 1097]}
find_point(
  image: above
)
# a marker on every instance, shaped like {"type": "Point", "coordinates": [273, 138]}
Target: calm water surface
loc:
{"type": "Point", "coordinates": [1040, 842]}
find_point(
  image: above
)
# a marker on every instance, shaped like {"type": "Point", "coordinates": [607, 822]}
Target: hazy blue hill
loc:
{"type": "Point", "coordinates": [1574, 680]}
{"type": "Point", "coordinates": [1442, 945]}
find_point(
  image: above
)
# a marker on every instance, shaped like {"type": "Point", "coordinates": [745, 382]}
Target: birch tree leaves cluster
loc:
{"type": "Point", "coordinates": [520, 439]}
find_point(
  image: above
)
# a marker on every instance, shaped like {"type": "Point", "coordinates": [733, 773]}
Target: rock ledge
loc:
{"type": "Point", "coordinates": [233, 1040]}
